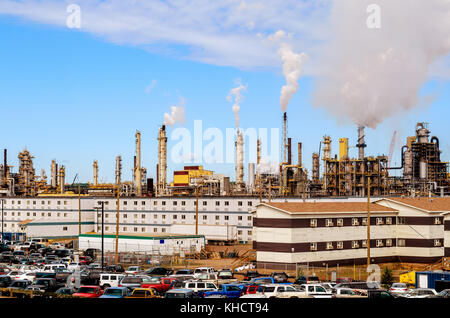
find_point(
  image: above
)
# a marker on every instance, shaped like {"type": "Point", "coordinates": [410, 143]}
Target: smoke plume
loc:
{"type": "Point", "coordinates": [236, 93]}
{"type": "Point", "coordinates": [176, 115]}
{"type": "Point", "coordinates": [292, 67]}
{"type": "Point", "coordinates": [371, 73]}
{"type": "Point", "coordinates": [267, 167]}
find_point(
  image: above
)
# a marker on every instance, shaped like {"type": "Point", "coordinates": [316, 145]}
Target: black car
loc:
{"type": "Point", "coordinates": [251, 274]}
{"type": "Point", "coordinates": [65, 291]}
{"type": "Point", "coordinates": [158, 271]}
{"type": "Point", "coordinates": [45, 250]}
{"type": "Point", "coordinates": [279, 277]}
{"type": "Point", "coordinates": [307, 280]}
{"type": "Point", "coordinates": [19, 284]}
{"type": "Point", "coordinates": [114, 269]}
{"type": "Point", "coordinates": [185, 271]}
{"type": "Point", "coordinates": [381, 293]}
{"type": "Point", "coordinates": [5, 281]}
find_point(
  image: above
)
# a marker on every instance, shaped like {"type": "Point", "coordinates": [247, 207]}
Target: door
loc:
{"type": "Point", "coordinates": [423, 281]}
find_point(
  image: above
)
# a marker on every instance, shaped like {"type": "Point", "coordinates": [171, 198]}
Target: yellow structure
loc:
{"type": "Point", "coordinates": [184, 178]}
{"type": "Point", "coordinates": [408, 278]}
{"type": "Point", "coordinates": [343, 148]}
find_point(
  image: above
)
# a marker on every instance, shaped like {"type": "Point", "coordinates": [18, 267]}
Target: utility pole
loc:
{"type": "Point", "coordinates": [117, 226]}
{"type": "Point", "coordinates": [368, 221]}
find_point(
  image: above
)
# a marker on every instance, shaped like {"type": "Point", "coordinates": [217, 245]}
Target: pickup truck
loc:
{"type": "Point", "coordinates": [143, 293]}
{"type": "Point", "coordinates": [216, 279]}
{"type": "Point", "coordinates": [226, 290]}
{"type": "Point", "coordinates": [49, 285]}
{"type": "Point", "coordinates": [161, 285]}
{"type": "Point", "coordinates": [316, 291]}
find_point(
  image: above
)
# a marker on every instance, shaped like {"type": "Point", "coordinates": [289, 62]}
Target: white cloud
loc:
{"type": "Point", "coordinates": [149, 88]}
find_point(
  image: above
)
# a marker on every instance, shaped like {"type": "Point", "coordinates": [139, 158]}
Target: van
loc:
{"type": "Point", "coordinates": [39, 240]}
{"type": "Point", "coordinates": [203, 270]}
{"type": "Point", "coordinates": [199, 286]}
{"type": "Point", "coordinates": [110, 280]}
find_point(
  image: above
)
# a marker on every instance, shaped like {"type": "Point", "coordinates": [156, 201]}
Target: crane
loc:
{"type": "Point", "coordinates": [391, 148]}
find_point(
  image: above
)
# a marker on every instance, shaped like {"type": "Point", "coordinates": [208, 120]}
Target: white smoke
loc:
{"type": "Point", "coordinates": [292, 66]}
{"type": "Point", "coordinates": [267, 167]}
{"type": "Point", "coordinates": [370, 74]}
{"type": "Point", "coordinates": [237, 94]}
{"type": "Point", "coordinates": [176, 115]}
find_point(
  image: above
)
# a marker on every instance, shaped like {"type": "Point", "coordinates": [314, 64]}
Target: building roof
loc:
{"type": "Point", "coordinates": [440, 204]}
{"type": "Point", "coordinates": [315, 207]}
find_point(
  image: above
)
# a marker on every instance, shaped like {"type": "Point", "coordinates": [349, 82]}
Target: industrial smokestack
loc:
{"type": "Point", "coordinates": [162, 161]}
{"type": "Point", "coordinates": [326, 147]}
{"type": "Point", "coordinates": [5, 164]}
{"type": "Point", "coordinates": [315, 168]}
{"type": "Point", "coordinates": [138, 176]}
{"type": "Point", "coordinates": [54, 174]}
{"type": "Point", "coordinates": [284, 136]}
{"type": "Point", "coordinates": [258, 151]}
{"type": "Point", "coordinates": [62, 175]}
{"type": "Point", "coordinates": [251, 176]}
{"type": "Point", "coordinates": [239, 160]}
{"type": "Point", "coordinates": [118, 169]}
{"type": "Point", "coordinates": [361, 143]}
{"type": "Point", "coordinates": [299, 154]}
{"type": "Point", "coordinates": [289, 151]}
{"type": "Point", "coordinates": [95, 171]}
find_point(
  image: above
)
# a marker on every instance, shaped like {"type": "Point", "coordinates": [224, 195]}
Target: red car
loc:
{"type": "Point", "coordinates": [161, 285]}
{"type": "Point", "coordinates": [251, 289]}
{"type": "Point", "coordinates": [88, 292]}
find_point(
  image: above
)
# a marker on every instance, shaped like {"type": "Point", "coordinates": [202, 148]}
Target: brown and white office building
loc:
{"type": "Point", "coordinates": [407, 230]}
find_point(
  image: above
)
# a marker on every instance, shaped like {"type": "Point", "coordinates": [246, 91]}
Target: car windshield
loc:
{"type": "Point", "coordinates": [113, 292]}
{"type": "Point", "coordinates": [397, 285]}
{"type": "Point", "coordinates": [42, 282]}
{"type": "Point", "coordinates": [139, 293]}
{"type": "Point", "coordinates": [443, 293]}
{"type": "Point", "coordinates": [86, 290]}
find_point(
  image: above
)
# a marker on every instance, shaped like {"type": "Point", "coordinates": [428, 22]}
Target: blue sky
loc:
{"type": "Point", "coordinates": [77, 96]}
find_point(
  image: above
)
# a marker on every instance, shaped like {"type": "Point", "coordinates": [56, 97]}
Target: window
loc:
{"type": "Point", "coordinates": [239, 232]}
{"type": "Point", "coordinates": [226, 217]}
{"type": "Point", "coordinates": [355, 244]}
{"type": "Point", "coordinates": [142, 229]}
{"type": "Point", "coordinates": [155, 202]}
{"type": "Point", "coordinates": [125, 216]}
{"type": "Point", "coordinates": [340, 245]}
{"type": "Point", "coordinates": [330, 245]}
{"type": "Point", "coordinates": [437, 243]}
{"type": "Point", "coordinates": [379, 221]}
{"type": "Point", "coordinates": [205, 203]}
{"type": "Point", "coordinates": [379, 243]}
{"type": "Point", "coordinates": [143, 202]}
{"type": "Point", "coordinates": [34, 202]}
{"type": "Point", "coordinates": [217, 217]}
{"type": "Point", "coordinates": [364, 221]}
{"type": "Point", "coordinates": [64, 228]}
{"type": "Point", "coordinates": [364, 243]}
{"type": "Point", "coordinates": [340, 222]}
{"type": "Point", "coordinates": [437, 221]}
{"type": "Point", "coordinates": [355, 222]}
{"type": "Point", "coordinates": [143, 216]}
{"type": "Point", "coordinates": [183, 202]}
{"type": "Point", "coordinates": [217, 203]}
{"type": "Point", "coordinates": [401, 242]}
{"type": "Point", "coordinates": [239, 203]}
{"type": "Point", "coordinates": [401, 220]}
{"type": "Point", "coordinates": [163, 202]}
{"type": "Point", "coordinates": [175, 216]}
{"type": "Point", "coordinates": [249, 218]}
{"type": "Point", "coordinates": [155, 216]}
{"type": "Point", "coordinates": [313, 247]}
{"type": "Point", "coordinates": [175, 202]}
{"type": "Point", "coordinates": [227, 203]}
{"type": "Point", "coordinates": [240, 218]}
{"type": "Point", "coordinates": [313, 223]}
{"type": "Point", "coordinates": [155, 230]}
{"type": "Point", "coordinates": [205, 217]}
{"type": "Point", "coordinates": [250, 203]}
{"type": "Point", "coordinates": [125, 229]}
{"type": "Point", "coordinates": [135, 203]}
{"type": "Point", "coordinates": [125, 202]}
{"type": "Point", "coordinates": [329, 222]}
{"type": "Point", "coordinates": [389, 221]}
{"type": "Point", "coordinates": [163, 216]}
{"type": "Point", "coordinates": [183, 217]}
{"type": "Point", "coordinates": [163, 230]}
{"type": "Point", "coordinates": [388, 242]}
{"type": "Point", "coordinates": [249, 232]}
{"type": "Point", "coordinates": [135, 229]}
{"type": "Point", "coordinates": [65, 202]}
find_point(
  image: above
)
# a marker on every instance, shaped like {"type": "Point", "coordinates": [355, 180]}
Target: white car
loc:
{"type": "Point", "coordinates": [347, 293]}
{"type": "Point", "coordinates": [316, 291]}
{"type": "Point", "coordinates": [110, 280]}
{"type": "Point", "coordinates": [197, 286]}
{"type": "Point", "coordinates": [203, 270]}
{"type": "Point", "coordinates": [399, 288]}
{"type": "Point", "coordinates": [30, 276]}
{"type": "Point", "coordinates": [73, 266]}
{"type": "Point", "coordinates": [419, 293]}
{"type": "Point", "coordinates": [133, 270]}
{"type": "Point", "coordinates": [281, 291]}
{"type": "Point", "coordinates": [57, 245]}
{"type": "Point", "coordinates": [254, 296]}
{"type": "Point", "coordinates": [14, 274]}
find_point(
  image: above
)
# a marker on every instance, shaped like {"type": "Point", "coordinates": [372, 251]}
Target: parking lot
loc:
{"type": "Point", "coordinates": [43, 269]}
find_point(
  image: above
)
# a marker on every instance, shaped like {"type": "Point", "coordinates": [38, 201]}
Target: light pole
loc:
{"type": "Point", "coordinates": [103, 227]}
{"type": "Point", "coordinates": [2, 218]}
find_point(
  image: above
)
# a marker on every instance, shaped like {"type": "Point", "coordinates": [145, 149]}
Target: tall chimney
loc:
{"type": "Point", "coordinates": [95, 171]}
{"type": "Point", "coordinates": [284, 136]}
{"type": "Point", "coordinates": [300, 154]}
{"type": "Point", "coordinates": [138, 176]}
{"type": "Point", "coordinates": [54, 174]}
{"type": "Point", "coordinates": [162, 161]}
{"type": "Point", "coordinates": [118, 169]}
{"type": "Point", "coordinates": [289, 151]}
{"type": "Point", "coordinates": [239, 160]}
{"type": "Point", "coordinates": [5, 164]}
{"type": "Point", "coordinates": [62, 175]}
{"type": "Point", "coordinates": [258, 151]}
{"type": "Point", "coordinates": [361, 143]}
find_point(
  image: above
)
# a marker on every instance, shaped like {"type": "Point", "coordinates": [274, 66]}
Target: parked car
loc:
{"type": "Point", "coordinates": [398, 288]}
{"type": "Point", "coordinates": [88, 292]}
{"type": "Point", "coordinates": [419, 293]}
{"type": "Point", "coordinates": [134, 270]}
{"type": "Point", "coordinates": [14, 274]}
{"type": "Point", "coordinates": [180, 293]}
{"type": "Point", "coordinates": [442, 294]}
{"type": "Point", "coordinates": [47, 284]}
{"type": "Point", "coordinates": [346, 293]}
{"type": "Point", "coordinates": [281, 291]}
{"type": "Point", "coordinates": [307, 280]}
{"type": "Point", "coordinates": [110, 280]}
{"type": "Point", "coordinates": [328, 286]}
{"type": "Point", "coordinates": [5, 281]}
{"type": "Point", "coordinates": [315, 290]}
{"type": "Point", "coordinates": [143, 293]}
{"type": "Point", "coordinates": [203, 270]}
{"type": "Point", "coordinates": [158, 271]}
{"type": "Point", "coordinates": [114, 269]}
{"type": "Point", "coordinates": [65, 291]}
{"type": "Point", "coordinates": [279, 277]}
{"type": "Point", "coordinates": [30, 276]}
{"type": "Point", "coordinates": [197, 286]}
{"type": "Point", "coordinates": [251, 274]}
{"type": "Point", "coordinates": [160, 285]}
{"type": "Point", "coordinates": [225, 290]}
{"type": "Point", "coordinates": [115, 292]}
{"type": "Point", "coordinates": [184, 271]}
{"type": "Point", "coordinates": [134, 281]}
{"type": "Point", "coordinates": [19, 284]}
{"type": "Point", "coordinates": [381, 293]}
{"type": "Point", "coordinates": [250, 289]}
